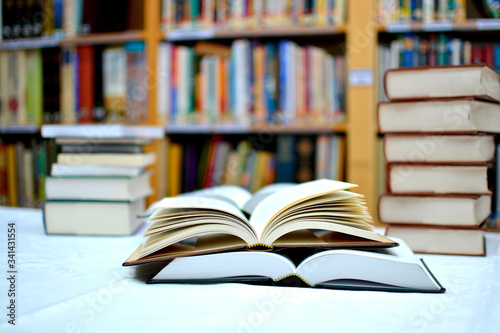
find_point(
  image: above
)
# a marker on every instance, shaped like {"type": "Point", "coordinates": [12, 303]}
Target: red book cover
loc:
{"type": "Point", "coordinates": [488, 55]}
{"type": "Point", "coordinates": [476, 55]}
{"type": "Point", "coordinates": [86, 82]}
{"type": "Point", "coordinates": [209, 170]}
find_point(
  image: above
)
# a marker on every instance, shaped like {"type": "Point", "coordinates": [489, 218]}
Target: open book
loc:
{"type": "Point", "coordinates": [394, 269]}
{"type": "Point", "coordinates": [281, 215]}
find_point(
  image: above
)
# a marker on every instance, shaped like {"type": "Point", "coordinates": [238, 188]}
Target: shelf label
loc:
{"type": "Point", "coordinates": [488, 24]}
{"type": "Point", "coordinates": [190, 34]}
{"type": "Point", "coordinates": [361, 77]}
{"type": "Point", "coordinates": [437, 26]}
{"type": "Point", "coordinates": [398, 27]}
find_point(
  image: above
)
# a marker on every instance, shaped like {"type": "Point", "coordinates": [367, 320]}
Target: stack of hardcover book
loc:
{"type": "Point", "coordinates": [97, 186]}
{"type": "Point", "coordinates": [439, 145]}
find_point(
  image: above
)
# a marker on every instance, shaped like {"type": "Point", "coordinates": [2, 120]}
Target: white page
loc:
{"type": "Point", "coordinates": [235, 195]}
{"type": "Point", "coordinates": [281, 200]}
{"type": "Point", "coordinates": [263, 193]}
{"type": "Point", "coordinates": [200, 203]}
{"type": "Point", "coordinates": [230, 264]}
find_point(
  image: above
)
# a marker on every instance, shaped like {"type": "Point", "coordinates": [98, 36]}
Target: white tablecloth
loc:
{"type": "Point", "coordinates": [77, 284]}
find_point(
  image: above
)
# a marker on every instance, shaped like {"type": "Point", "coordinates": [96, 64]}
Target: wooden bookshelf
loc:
{"type": "Point", "coordinates": [19, 129]}
{"type": "Point", "coordinates": [104, 38]}
{"type": "Point", "coordinates": [470, 25]}
{"type": "Point", "coordinates": [247, 129]}
{"type": "Point", "coordinates": [292, 31]}
{"type": "Point", "coordinates": [361, 130]}
{"type": "Point", "coordinates": [30, 43]}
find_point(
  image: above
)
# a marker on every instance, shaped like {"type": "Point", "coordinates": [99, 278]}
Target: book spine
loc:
{"type": "Point", "coordinates": [86, 78]}
{"type": "Point", "coordinates": [136, 94]}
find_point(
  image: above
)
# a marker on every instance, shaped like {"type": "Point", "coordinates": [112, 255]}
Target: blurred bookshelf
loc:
{"type": "Point", "coordinates": [351, 34]}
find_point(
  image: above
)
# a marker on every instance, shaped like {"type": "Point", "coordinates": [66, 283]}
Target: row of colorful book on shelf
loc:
{"type": "Point", "coordinates": [442, 157]}
{"type": "Point", "coordinates": [78, 84]}
{"type": "Point", "coordinates": [421, 11]}
{"type": "Point", "coordinates": [245, 14]}
{"type": "Point", "coordinates": [411, 50]}
{"type": "Point", "coordinates": [30, 19]}
{"type": "Point", "coordinates": [250, 81]}
{"type": "Point", "coordinates": [59, 18]}
{"type": "Point", "coordinates": [23, 168]}
{"type": "Point", "coordinates": [197, 163]}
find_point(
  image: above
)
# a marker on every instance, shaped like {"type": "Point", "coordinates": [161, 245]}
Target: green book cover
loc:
{"type": "Point", "coordinates": [34, 86]}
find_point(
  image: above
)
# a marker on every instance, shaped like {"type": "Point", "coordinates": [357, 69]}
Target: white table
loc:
{"type": "Point", "coordinates": [77, 284]}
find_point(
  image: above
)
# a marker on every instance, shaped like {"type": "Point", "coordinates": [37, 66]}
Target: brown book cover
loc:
{"type": "Point", "coordinates": [444, 99]}
{"type": "Point", "coordinates": [216, 243]}
{"type": "Point", "coordinates": [389, 166]}
{"type": "Point", "coordinates": [477, 246]}
{"type": "Point", "coordinates": [470, 196]}
{"type": "Point", "coordinates": [423, 135]}
{"type": "Point", "coordinates": [422, 68]}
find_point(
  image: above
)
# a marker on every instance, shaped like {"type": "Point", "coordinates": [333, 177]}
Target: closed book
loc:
{"type": "Point", "coordinates": [4, 189]}
{"type": "Point", "coordinates": [114, 72]}
{"type": "Point", "coordinates": [445, 210]}
{"type": "Point", "coordinates": [462, 115]}
{"type": "Point", "coordinates": [438, 179]}
{"type": "Point", "coordinates": [412, 148]}
{"type": "Point", "coordinates": [476, 80]}
{"type": "Point", "coordinates": [86, 82]}
{"type": "Point", "coordinates": [95, 170]}
{"type": "Point", "coordinates": [34, 87]}
{"type": "Point", "coordinates": [286, 158]}
{"type": "Point", "coordinates": [136, 92]}
{"type": "Point", "coordinates": [434, 240]}
{"type": "Point", "coordinates": [124, 159]}
{"type": "Point", "coordinates": [109, 218]}
{"type": "Point", "coordinates": [97, 187]}
{"type": "Point", "coordinates": [101, 148]}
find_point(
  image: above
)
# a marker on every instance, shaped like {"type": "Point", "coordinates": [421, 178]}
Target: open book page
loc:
{"type": "Point", "coordinates": [229, 264]}
{"type": "Point", "coordinates": [234, 195]}
{"type": "Point", "coordinates": [395, 266]}
{"type": "Point", "coordinates": [376, 269]}
{"type": "Point", "coordinates": [281, 200]}
{"type": "Point", "coordinates": [262, 194]}
{"type": "Point", "coordinates": [196, 203]}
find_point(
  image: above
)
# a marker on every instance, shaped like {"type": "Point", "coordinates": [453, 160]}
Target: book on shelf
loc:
{"type": "Point", "coordinates": [440, 240]}
{"type": "Point", "coordinates": [124, 159]}
{"type": "Point", "coordinates": [439, 179]}
{"type": "Point", "coordinates": [427, 11]}
{"type": "Point", "coordinates": [412, 148]}
{"type": "Point", "coordinates": [95, 170]}
{"type": "Point", "coordinates": [105, 147]}
{"type": "Point", "coordinates": [392, 269]}
{"type": "Point", "coordinates": [279, 219]}
{"type": "Point", "coordinates": [462, 115]}
{"type": "Point", "coordinates": [23, 169]}
{"type": "Point", "coordinates": [115, 141]}
{"type": "Point", "coordinates": [238, 14]}
{"type": "Point", "coordinates": [437, 210]}
{"type": "Point", "coordinates": [83, 187]}
{"type": "Point", "coordinates": [112, 218]}
{"type": "Point", "coordinates": [250, 81]}
{"type": "Point", "coordinates": [475, 80]}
